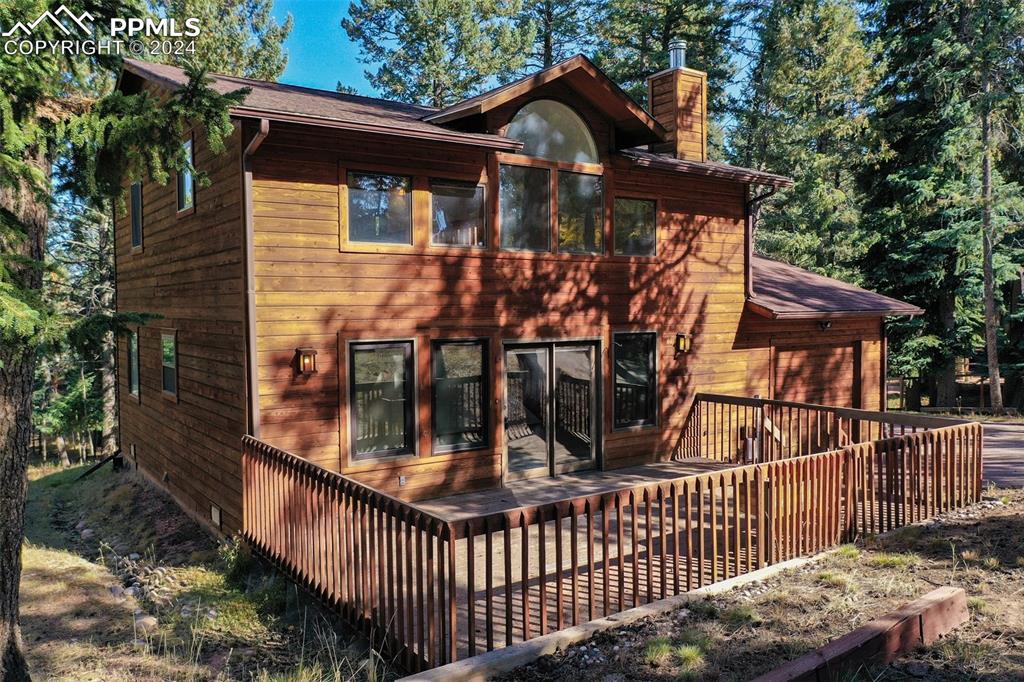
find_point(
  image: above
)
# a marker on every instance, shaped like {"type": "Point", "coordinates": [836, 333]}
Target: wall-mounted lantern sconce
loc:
{"type": "Point", "coordinates": [305, 361]}
{"type": "Point", "coordinates": [684, 342]}
{"type": "Point", "coordinates": [825, 325]}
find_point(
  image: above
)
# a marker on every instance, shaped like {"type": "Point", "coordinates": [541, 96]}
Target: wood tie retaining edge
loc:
{"type": "Point", "coordinates": [879, 642]}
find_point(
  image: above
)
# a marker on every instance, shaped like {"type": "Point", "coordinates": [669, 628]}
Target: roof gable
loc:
{"type": "Point", "coordinates": [634, 126]}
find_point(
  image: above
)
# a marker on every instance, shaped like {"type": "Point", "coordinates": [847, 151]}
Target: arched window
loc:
{"type": "Point", "coordinates": [551, 130]}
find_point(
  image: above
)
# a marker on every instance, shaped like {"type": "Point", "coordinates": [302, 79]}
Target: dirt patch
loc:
{"type": "Point", "coordinates": [751, 630]}
{"type": "Point", "coordinates": [120, 584]}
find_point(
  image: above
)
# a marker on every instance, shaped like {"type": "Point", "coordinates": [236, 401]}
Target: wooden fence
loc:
{"type": "Point", "coordinates": [432, 591]}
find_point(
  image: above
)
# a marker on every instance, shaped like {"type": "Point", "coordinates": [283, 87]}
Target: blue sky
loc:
{"type": "Point", "coordinates": [319, 51]}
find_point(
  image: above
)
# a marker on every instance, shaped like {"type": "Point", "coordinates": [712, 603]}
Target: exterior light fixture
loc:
{"type": "Point", "coordinates": [825, 325]}
{"type": "Point", "coordinates": [684, 342]}
{"type": "Point", "coordinates": [305, 361]}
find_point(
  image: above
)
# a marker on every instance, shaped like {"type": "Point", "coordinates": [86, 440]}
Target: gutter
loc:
{"type": "Point", "coordinates": [748, 238]}
{"type": "Point", "coordinates": [249, 259]}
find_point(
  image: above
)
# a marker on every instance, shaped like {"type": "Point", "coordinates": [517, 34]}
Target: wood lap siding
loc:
{"type": "Point", "coordinates": [189, 272]}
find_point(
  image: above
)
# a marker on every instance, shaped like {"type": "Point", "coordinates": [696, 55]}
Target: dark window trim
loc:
{"type": "Point", "coordinates": [136, 215]}
{"type": "Point", "coordinates": [348, 209]}
{"type": "Point", "coordinates": [411, 388]}
{"type": "Point", "coordinates": [483, 209]}
{"type": "Point", "coordinates": [187, 210]}
{"type": "Point", "coordinates": [630, 197]}
{"type": "Point", "coordinates": [653, 385]}
{"type": "Point", "coordinates": [170, 395]}
{"type": "Point", "coordinates": [485, 343]}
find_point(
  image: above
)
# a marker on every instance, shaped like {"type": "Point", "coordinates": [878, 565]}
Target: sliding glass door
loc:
{"type": "Point", "coordinates": [551, 408]}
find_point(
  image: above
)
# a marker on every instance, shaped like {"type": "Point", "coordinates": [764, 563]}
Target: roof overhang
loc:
{"type": "Point", "coordinates": [775, 314]}
{"type": "Point", "coordinates": [643, 159]}
{"type": "Point", "coordinates": [634, 126]}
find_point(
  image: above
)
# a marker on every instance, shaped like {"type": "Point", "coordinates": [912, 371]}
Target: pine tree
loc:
{"type": "Point", "coordinates": [926, 186]}
{"type": "Point", "coordinates": [436, 53]}
{"type": "Point", "coordinates": [633, 36]}
{"type": "Point", "coordinates": [562, 28]}
{"type": "Point", "coordinates": [804, 114]}
{"type": "Point", "coordinates": [238, 37]}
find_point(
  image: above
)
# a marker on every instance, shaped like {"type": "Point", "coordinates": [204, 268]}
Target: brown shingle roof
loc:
{"type": "Point", "coordinates": [277, 101]}
{"type": "Point", "coordinates": [783, 291]}
{"type": "Point", "coordinates": [712, 169]}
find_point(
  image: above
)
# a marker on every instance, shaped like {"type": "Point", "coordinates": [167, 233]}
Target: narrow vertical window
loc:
{"type": "Point", "coordinates": [580, 213]}
{"type": "Point", "coordinates": [381, 399]}
{"type": "Point", "coordinates": [458, 214]}
{"type": "Point", "coordinates": [634, 367]}
{"type": "Point", "coordinates": [525, 205]}
{"type": "Point", "coordinates": [133, 363]}
{"type": "Point", "coordinates": [136, 213]}
{"type": "Point", "coordinates": [169, 362]}
{"type": "Point", "coordinates": [635, 227]}
{"type": "Point", "coordinates": [186, 182]}
{"type": "Point", "coordinates": [379, 208]}
{"type": "Point", "coordinates": [459, 395]}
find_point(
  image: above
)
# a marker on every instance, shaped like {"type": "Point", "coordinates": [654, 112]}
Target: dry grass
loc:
{"type": "Point", "coordinates": [736, 637]}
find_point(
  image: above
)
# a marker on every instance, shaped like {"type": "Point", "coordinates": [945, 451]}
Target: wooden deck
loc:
{"type": "Point", "coordinates": [537, 491]}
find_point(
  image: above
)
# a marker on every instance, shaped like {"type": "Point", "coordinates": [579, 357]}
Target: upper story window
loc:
{"type": "Point", "coordinates": [458, 217]}
{"type": "Point", "coordinates": [551, 130]}
{"type": "Point", "coordinates": [186, 182]}
{"type": "Point", "coordinates": [379, 208]}
{"type": "Point", "coordinates": [136, 213]}
{"type": "Point", "coordinates": [635, 223]}
{"type": "Point", "coordinates": [554, 200]}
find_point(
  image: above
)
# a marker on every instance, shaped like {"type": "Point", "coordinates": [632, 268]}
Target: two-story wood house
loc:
{"type": "Point", "coordinates": [533, 281]}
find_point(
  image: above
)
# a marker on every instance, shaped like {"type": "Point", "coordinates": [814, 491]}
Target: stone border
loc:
{"type": "Point", "coordinates": [486, 665]}
{"type": "Point", "coordinates": [879, 642]}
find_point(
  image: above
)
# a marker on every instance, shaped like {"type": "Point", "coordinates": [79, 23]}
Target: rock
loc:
{"type": "Point", "coordinates": [132, 591]}
{"type": "Point", "coordinates": [146, 624]}
{"type": "Point", "coordinates": [80, 525]}
{"type": "Point", "coordinates": [134, 556]}
{"type": "Point", "coordinates": [614, 677]}
{"type": "Point", "coordinates": [918, 669]}
{"type": "Point", "coordinates": [117, 591]}
{"type": "Point", "coordinates": [86, 533]}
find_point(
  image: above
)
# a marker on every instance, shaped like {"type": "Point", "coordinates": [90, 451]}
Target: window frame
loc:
{"type": "Point", "coordinates": [190, 139]}
{"type": "Point", "coordinates": [136, 215]}
{"type": "Point", "coordinates": [654, 421]}
{"type": "Point", "coordinates": [657, 210]}
{"type": "Point", "coordinates": [346, 232]}
{"type": "Point", "coordinates": [484, 211]}
{"type": "Point", "coordinates": [485, 374]}
{"type": "Point", "coordinates": [603, 213]}
{"type": "Point", "coordinates": [170, 395]}
{"type": "Point", "coordinates": [133, 365]}
{"type": "Point", "coordinates": [410, 416]}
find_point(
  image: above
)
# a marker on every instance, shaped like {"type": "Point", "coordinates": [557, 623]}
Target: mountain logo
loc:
{"type": "Point", "coordinates": [53, 17]}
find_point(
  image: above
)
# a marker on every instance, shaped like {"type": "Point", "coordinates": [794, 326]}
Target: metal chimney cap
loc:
{"type": "Point", "coordinates": [677, 53]}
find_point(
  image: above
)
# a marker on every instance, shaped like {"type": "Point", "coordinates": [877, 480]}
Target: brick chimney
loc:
{"type": "Point", "coordinates": [678, 99]}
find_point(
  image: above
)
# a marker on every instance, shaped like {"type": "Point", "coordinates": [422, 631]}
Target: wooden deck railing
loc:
{"type": "Point", "coordinates": [433, 591]}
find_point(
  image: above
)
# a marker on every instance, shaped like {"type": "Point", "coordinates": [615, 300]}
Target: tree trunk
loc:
{"type": "Point", "coordinates": [62, 450]}
{"type": "Point", "coordinates": [945, 375]}
{"type": "Point", "coordinates": [42, 440]}
{"type": "Point", "coordinates": [17, 371]}
{"type": "Point", "coordinates": [548, 55]}
{"type": "Point", "coordinates": [988, 244]}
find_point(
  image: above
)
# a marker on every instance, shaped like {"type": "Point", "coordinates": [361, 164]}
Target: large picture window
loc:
{"type": "Point", "coordinates": [381, 399]}
{"type": "Point", "coordinates": [458, 214]}
{"type": "Point", "coordinates": [133, 363]}
{"type": "Point", "coordinates": [136, 213]}
{"type": "Point", "coordinates": [459, 394]}
{"type": "Point", "coordinates": [635, 224]}
{"type": "Point", "coordinates": [169, 362]}
{"type": "Point", "coordinates": [186, 181]}
{"type": "Point", "coordinates": [635, 379]}
{"type": "Point", "coordinates": [379, 208]}
{"type": "Point", "coordinates": [525, 200]}
{"type": "Point", "coordinates": [580, 213]}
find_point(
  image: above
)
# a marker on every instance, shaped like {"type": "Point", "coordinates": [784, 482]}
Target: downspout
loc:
{"type": "Point", "coordinates": [252, 373]}
{"type": "Point", "coordinates": [748, 238]}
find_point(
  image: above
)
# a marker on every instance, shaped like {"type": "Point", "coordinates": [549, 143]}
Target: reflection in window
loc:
{"type": "Point", "coordinates": [551, 130]}
{"type": "Point", "coordinates": [580, 213]}
{"type": "Point", "coordinates": [136, 213]}
{"type": "Point", "coordinates": [525, 205]}
{"type": "Point", "coordinates": [379, 208]}
{"type": "Point", "coordinates": [635, 227]}
{"type": "Point", "coordinates": [186, 183]}
{"type": "Point", "coordinates": [636, 395]}
{"type": "Point", "coordinates": [458, 214]}
{"type": "Point", "coordinates": [459, 382]}
{"type": "Point", "coordinates": [169, 362]}
{"type": "Point", "coordinates": [133, 363]}
{"type": "Point", "coordinates": [381, 399]}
